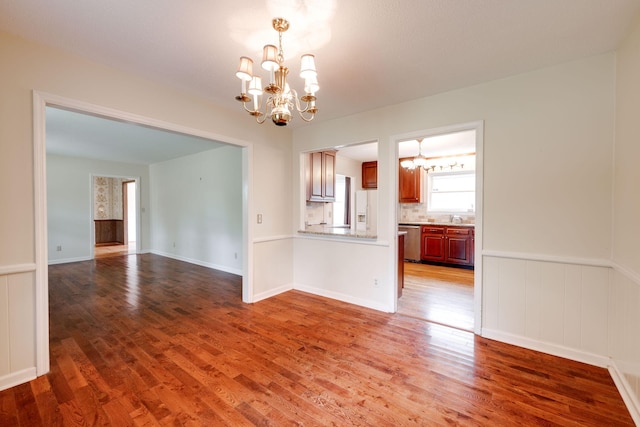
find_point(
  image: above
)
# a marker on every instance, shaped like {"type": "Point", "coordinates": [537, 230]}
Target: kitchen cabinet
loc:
{"type": "Point", "coordinates": [409, 184]}
{"type": "Point", "coordinates": [433, 244]}
{"type": "Point", "coordinates": [448, 245]}
{"type": "Point", "coordinates": [370, 174]}
{"type": "Point", "coordinates": [321, 177]}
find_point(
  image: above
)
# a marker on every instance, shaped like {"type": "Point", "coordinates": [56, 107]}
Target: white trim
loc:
{"type": "Point", "coordinates": [68, 260]}
{"type": "Point", "coordinates": [273, 238]}
{"type": "Point", "coordinates": [17, 269]}
{"type": "Point", "coordinates": [17, 378]}
{"type": "Point", "coordinates": [40, 223]}
{"type": "Point", "coordinates": [546, 347]}
{"type": "Point", "coordinates": [548, 258]}
{"type": "Point", "coordinates": [272, 292]}
{"type": "Point", "coordinates": [198, 262]}
{"type": "Point", "coordinates": [625, 390]}
{"type": "Point", "coordinates": [40, 101]}
{"type": "Point", "coordinates": [631, 275]}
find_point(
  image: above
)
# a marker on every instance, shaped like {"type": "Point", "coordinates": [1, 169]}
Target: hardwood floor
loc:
{"type": "Point", "coordinates": [146, 340]}
{"type": "Point", "coordinates": [438, 294]}
{"type": "Point", "coordinates": [115, 249]}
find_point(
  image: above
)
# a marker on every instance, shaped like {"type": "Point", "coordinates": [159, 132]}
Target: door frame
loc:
{"type": "Point", "coordinates": [478, 126]}
{"type": "Point", "coordinates": [40, 101]}
{"type": "Point", "coordinates": [131, 178]}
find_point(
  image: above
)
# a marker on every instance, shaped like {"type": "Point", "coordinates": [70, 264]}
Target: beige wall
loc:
{"type": "Point", "coordinates": [547, 167]}
{"type": "Point", "coordinates": [625, 294]}
{"type": "Point", "coordinates": [26, 67]}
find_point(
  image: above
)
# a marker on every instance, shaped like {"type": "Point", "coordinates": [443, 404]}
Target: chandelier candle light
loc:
{"type": "Point", "coordinates": [282, 99]}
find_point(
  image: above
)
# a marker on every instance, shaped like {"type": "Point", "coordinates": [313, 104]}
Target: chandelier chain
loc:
{"type": "Point", "coordinates": [280, 50]}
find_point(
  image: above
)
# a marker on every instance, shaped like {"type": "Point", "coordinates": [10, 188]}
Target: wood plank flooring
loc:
{"type": "Point", "coordinates": [438, 294]}
{"type": "Point", "coordinates": [116, 249]}
{"type": "Point", "coordinates": [145, 340]}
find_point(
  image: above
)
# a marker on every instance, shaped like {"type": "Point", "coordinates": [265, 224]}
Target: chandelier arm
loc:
{"type": "Point", "coordinates": [297, 102]}
{"type": "Point", "coordinates": [244, 104]}
{"type": "Point", "coordinates": [261, 121]}
{"type": "Point", "coordinates": [306, 119]}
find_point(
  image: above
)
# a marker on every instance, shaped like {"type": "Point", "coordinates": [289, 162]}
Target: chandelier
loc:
{"type": "Point", "coordinates": [416, 162]}
{"type": "Point", "coordinates": [282, 99]}
{"type": "Point", "coordinates": [436, 164]}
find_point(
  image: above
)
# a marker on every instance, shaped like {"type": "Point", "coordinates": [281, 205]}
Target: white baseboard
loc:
{"type": "Point", "coordinates": [272, 292]}
{"type": "Point", "coordinates": [549, 348]}
{"type": "Point", "coordinates": [344, 298]}
{"type": "Point", "coordinates": [626, 391]}
{"type": "Point", "coordinates": [68, 260]}
{"type": "Point", "coordinates": [17, 378]}
{"type": "Point", "coordinates": [198, 262]}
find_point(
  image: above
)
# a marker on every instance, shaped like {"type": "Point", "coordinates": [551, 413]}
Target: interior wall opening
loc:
{"type": "Point", "coordinates": [439, 191]}
{"type": "Point", "coordinates": [43, 104]}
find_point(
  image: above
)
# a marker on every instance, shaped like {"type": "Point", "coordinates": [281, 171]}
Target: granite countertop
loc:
{"type": "Point", "coordinates": [327, 230]}
{"type": "Point", "coordinates": [449, 224]}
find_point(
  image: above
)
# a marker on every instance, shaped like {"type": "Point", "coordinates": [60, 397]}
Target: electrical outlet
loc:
{"type": "Point", "coordinates": [259, 218]}
{"type": "Point", "coordinates": [59, 248]}
{"type": "Point", "coordinates": [375, 282]}
{"type": "Point", "coordinates": [235, 255]}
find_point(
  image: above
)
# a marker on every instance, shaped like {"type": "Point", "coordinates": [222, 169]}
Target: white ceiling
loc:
{"type": "Point", "coordinates": [81, 135]}
{"type": "Point", "coordinates": [369, 53]}
{"type": "Point", "coordinates": [463, 142]}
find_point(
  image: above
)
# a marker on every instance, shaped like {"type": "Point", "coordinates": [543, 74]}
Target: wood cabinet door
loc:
{"type": "Point", "coordinates": [458, 250]}
{"type": "Point", "coordinates": [433, 248]}
{"type": "Point", "coordinates": [409, 185]}
{"type": "Point", "coordinates": [315, 186]}
{"type": "Point", "coordinates": [329, 176]}
{"type": "Point", "coordinates": [432, 244]}
{"type": "Point", "coordinates": [369, 174]}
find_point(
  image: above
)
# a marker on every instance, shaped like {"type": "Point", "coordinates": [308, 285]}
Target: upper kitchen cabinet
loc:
{"type": "Point", "coordinates": [409, 185]}
{"type": "Point", "coordinates": [321, 177]}
{"type": "Point", "coordinates": [370, 174]}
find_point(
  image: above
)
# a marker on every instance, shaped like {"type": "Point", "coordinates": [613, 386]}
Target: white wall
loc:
{"type": "Point", "coordinates": [196, 208]}
{"type": "Point", "coordinates": [69, 202]}
{"type": "Point", "coordinates": [625, 293]}
{"type": "Point", "coordinates": [547, 189]}
{"type": "Point", "coordinates": [28, 66]}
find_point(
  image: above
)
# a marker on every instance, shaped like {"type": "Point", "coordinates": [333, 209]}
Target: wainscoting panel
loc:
{"type": "Point", "coordinates": [561, 305]}
{"type": "Point", "coordinates": [624, 302]}
{"type": "Point", "coordinates": [17, 326]}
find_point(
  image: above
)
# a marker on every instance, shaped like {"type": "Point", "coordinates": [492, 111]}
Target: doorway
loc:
{"type": "Point", "coordinates": [442, 279]}
{"type": "Point", "coordinates": [118, 234]}
{"type": "Point", "coordinates": [130, 212]}
{"type": "Point", "coordinates": [41, 101]}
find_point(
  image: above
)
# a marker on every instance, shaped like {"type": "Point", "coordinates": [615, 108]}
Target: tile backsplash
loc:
{"type": "Point", "coordinates": [417, 212]}
{"type": "Point", "coordinates": [318, 213]}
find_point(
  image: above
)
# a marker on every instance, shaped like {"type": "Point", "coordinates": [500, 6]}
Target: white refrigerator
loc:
{"type": "Point", "coordinates": [365, 209]}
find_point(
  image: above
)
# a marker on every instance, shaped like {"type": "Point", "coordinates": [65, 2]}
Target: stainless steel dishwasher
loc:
{"type": "Point", "coordinates": [411, 242]}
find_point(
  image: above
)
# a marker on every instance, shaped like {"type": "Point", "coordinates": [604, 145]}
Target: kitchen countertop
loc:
{"type": "Point", "coordinates": [327, 230]}
{"type": "Point", "coordinates": [448, 224]}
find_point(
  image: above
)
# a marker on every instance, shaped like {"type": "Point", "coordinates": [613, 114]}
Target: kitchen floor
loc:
{"type": "Point", "coordinates": [438, 294]}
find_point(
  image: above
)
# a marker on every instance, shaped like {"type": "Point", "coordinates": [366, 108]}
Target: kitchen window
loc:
{"type": "Point", "coordinates": [451, 192]}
